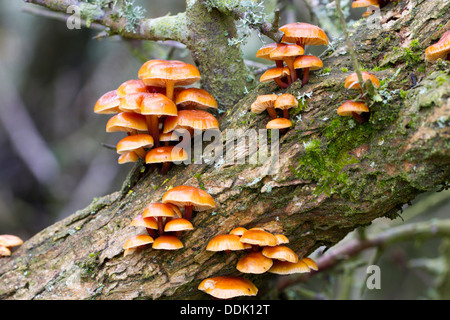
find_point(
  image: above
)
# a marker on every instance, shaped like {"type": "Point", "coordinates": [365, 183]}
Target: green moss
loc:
{"type": "Point", "coordinates": [343, 69]}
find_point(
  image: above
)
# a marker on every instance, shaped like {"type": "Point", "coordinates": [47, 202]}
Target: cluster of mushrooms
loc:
{"type": "Point", "coordinates": [357, 109]}
{"type": "Point", "coordinates": [164, 221]}
{"type": "Point", "coordinates": [158, 108]}
{"type": "Point", "coordinates": [291, 62]}
{"type": "Point", "coordinates": [272, 102]}
{"type": "Point", "coordinates": [266, 253]}
{"type": "Point", "coordinates": [7, 242]}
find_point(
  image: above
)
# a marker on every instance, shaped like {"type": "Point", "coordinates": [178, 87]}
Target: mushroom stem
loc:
{"type": "Point", "coordinates": [281, 83]}
{"type": "Point", "coordinates": [255, 247]}
{"type": "Point", "coordinates": [279, 63]}
{"type": "Point", "coordinates": [286, 113]}
{"type": "Point", "coordinates": [140, 152]}
{"type": "Point", "coordinates": [359, 117]}
{"type": "Point", "coordinates": [151, 232]}
{"type": "Point", "coordinates": [160, 226]}
{"type": "Point", "coordinates": [272, 112]}
{"type": "Point", "coordinates": [165, 168]}
{"type": "Point", "coordinates": [305, 76]}
{"type": "Point", "coordinates": [153, 128]}
{"type": "Point", "coordinates": [169, 90]}
{"type": "Point", "coordinates": [290, 64]}
{"type": "Point", "coordinates": [188, 212]}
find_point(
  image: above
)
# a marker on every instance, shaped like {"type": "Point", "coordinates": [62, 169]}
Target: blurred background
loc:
{"type": "Point", "coordinates": [53, 161]}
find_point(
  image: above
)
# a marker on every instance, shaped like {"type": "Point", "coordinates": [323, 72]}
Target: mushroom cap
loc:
{"type": "Point", "coordinates": [286, 101]}
{"type": "Point", "coordinates": [224, 242]}
{"type": "Point", "coordinates": [128, 157]}
{"type": "Point", "coordinates": [178, 224]}
{"type": "Point", "coordinates": [352, 82]}
{"type": "Point", "coordinates": [166, 154]}
{"type": "Point", "coordinates": [279, 123]}
{"type": "Point", "coordinates": [4, 251]}
{"type": "Point", "coordinates": [9, 240]}
{"type": "Point", "coordinates": [286, 267]}
{"type": "Point", "coordinates": [239, 231]}
{"type": "Point", "coordinates": [440, 49]}
{"type": "Point", "coordinates": [108, 103]}
{"type": "Point", "coordinates": [286, 50]}
{"type": "Point", "coordinates": [194, 119]}
{"type": "Point", "coordinates": [158, 104]}
{"type": "Point", "coordinates": [126, 121]}
{"type": "Point", "coordinates": [169, 136]}
{"type": "Point", "coordinates": [348, 107]}
{"type": "Point", "coordinates": [131, 86]}
{"type": "Point", "coordinates": [228, 287]}
{"type": "Point", "coordinates": [279, 252]}
{"type": "Point", "coordinates": [305, 33]}
{"type": "Point", "coordinates": [166, 242]}
{"type": "Point", "coordinates": [148, 64]}
{"type": "Point", "coordinates": [195, 98]}
{"type": "Point", "coordinates": [157, 209]}
{"type": "Point", "coordinates": [137, 241]}
{"type": "Point", "coordinates": [365, 3]}
{"type": "Point", "coordinates": [189, 196]}
{"type": "Point", "coordinates": [258, 237]}
{"type": "Point", "coordinates": [275, 73]}
{"type": "Point", "coordinates": [149, 222]}
{"type": "Point", "coordinates": [176, 210]}
{"type": "Point", "coordinates": [133, 142]}
{"type": "Point", "coordinates": [281, 239]}
{"type": "Point", "coordinates": [308, 61]}
{"type": "Point", "coordinates": [254, 262]}
{"type": "Point", "coordinates": [263, 102]}
{"type": "Point", "coordinates": [310, 263]}
{"type": "Point", "coordinates": [177, 72]}
{"type": "Point", "coordinates": [265, 50]}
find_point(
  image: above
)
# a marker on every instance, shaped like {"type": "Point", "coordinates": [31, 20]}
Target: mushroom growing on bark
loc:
{"type": "Point", "coordinates": [307, 63]}
{"type": "Point", "coordinates": [285, 102]}
{"type": "Point", "coordinates": [137, 242]}
{"type": "Point", "coordinates": [228, 287]}
{"type": "Point", "coordinates": [355, 110]}
{"type": "Point", "coordinates": [439, 50]}
{"type": "Point", "coordinates": [265, 102]}
{"type": "Point", "coordinates": [166, 155]}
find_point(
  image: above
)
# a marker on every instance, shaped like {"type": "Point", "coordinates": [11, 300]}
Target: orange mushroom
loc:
{"type": "Point", "coordinates": [285, 102]}
{"type": "Point", "coordinates": [287, 53]}
{"type": "Point", "coordinates": [265, 50]}
{"type": "Point", "coordinates": [159, 211]}
{"type": "Point", "coordinates": [254, 262]}
{"type": "Point", "coordinates": [281, 124]}
{"type": "Point", "coordinates": [166, 155]}
{"type": "Point", "coordinates": [258, 237]}
{"type": "Point", "coordinates": [136, 242]}
{"type": "Point", "coordinates": [195, 98]}
{"type": "Point", "coordinates": [225, 242]}
{"type": "Point", "coordinates": [307, 62]}
{"type": "Point", "coordinates": [108, 103]}
{"type": "Point", "coordinates": [136, 143]}
{"type": "Point", "coordinates": [286, 267]}
{"type": "Point", "coordinates": [439, 50]}
{"type": "Point", "coordinates": [149, 223]}
{"type": "Point", "coordinates": [166, 242]}
{"type": "Point", "coordinates": [352, 81]}
{"type": "Point", "coordinates": [191, 198]}
{"type": "Point", "coordinates": [277, 75]}
{"type": "Point", "coordinates": [303, 34]}
{"type": "Point", "coordinates": [129, 122]}
{"type": "Point", "coordinates": [265, 102]}
{"type": "Point", "coordinates": [227, 287]}
{"type": "Point", "coordinates": [355, 109]}
{"type": "Point", "coordinates": [128, 157]}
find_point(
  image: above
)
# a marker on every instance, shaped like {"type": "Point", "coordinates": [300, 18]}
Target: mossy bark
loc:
{"type": "Point", "coordinates": [335, 175]}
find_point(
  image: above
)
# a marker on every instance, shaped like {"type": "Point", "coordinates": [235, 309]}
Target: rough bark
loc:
{"type": "Point", "coordinates": [335, 175]}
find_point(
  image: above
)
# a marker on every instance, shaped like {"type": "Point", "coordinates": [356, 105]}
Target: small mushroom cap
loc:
{"type": "Point", "coordinates": [134, 142]}
{"type": "Point", "coordinates": [279, 123]}
{"type": "Point", "coordinates": [286, 101]}
{"type": "Point", "coordinates": [126, 121]}
{"type": "Point", "coordinates": [9, 240]}
{"type": "Point", "coordinates": [285, 267]}
{"type": "Point", "coordinates": [265, 50]}
{"type": "Point", "coordinates": [169, 136]}
{"type": "Point", "coordinates": [159, 105]}
{"type": "Point", "coordinates": [228, 287]}
{"type": "Point", "coordinates": [128, 157]}
{"type": "Point", "coordinates": [279, 252]}
{"type": "Point", "coordinates": [304, 33]}
{"type": "Point", "coordinates": [178, 224]}
{"type": "Point", "coordinates": [132, 102]}
{"type": "Point", "coordinates": [178, 72]}
{"type": "Point", "coordinates": [281, 239]}
{"type": "Point", "coordinates": [258, 237]}
{"type": "Point", "coordinates": [4, 251]}
{"type": "Point", "coordinates": [148, 64]}
{"type": "Point", "coordinates": [191, 119]}
{"type": "Point", "coordinates": [108, 103]}
{"type": "Point", "coordinates": [275, 73]}
{"type": "Point", "coordinates": [286, 51]}
{"type": "Point", "coordinates": [254, 262]}
{"type": "Point", "coordinates": [348, 107]}
{"type": "Point", "coordinates": [224, 242]}
{"type": "Point", "coordinates": [440, 49]}
{"type": "Point", "coordinates": [138, 241]}
{"type": "Point", "coordinates": [176, 210]}
{"type": "Point", "coordinates": [166, 242]}
{"type": "Point", "coordinates": [149, 222]}
{"type": "Point", "coordinates": [263, 102]}
{"type": "Point", "coordinates": [239, 231]}
{"type": "Point", "coordinates": [158, 210]}
{"type": "Point", "coordinates": [365, 3]}
{"type": "Point", "coordinates": [131, 86]}
{"type": "Point", "coordinates": [166, 154]}
{"type": "Point", "coordinates": [189, 196]}
{"type": "Point", "coordinates": [195, 98]}
{"type": "Point", "coordinates": [352, 82]}
{"type": "Point", "coordinates": [308, 61]}
{"type": "Point", "coordinates": [311, 263]}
